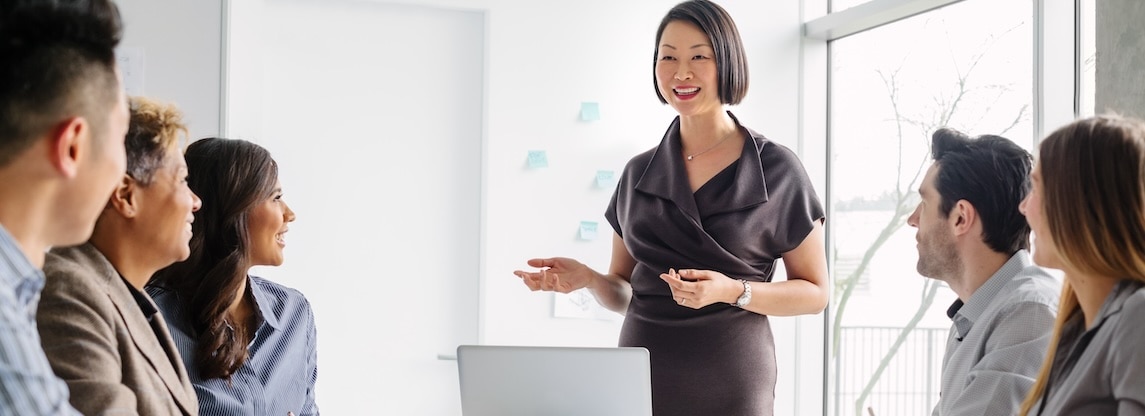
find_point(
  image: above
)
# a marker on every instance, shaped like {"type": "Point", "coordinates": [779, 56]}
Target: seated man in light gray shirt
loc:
{"type": "Point", "coordinates": [971, 236]}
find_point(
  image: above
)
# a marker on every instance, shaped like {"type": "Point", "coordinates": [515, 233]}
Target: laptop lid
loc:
{"type": "Point", "coordinates": [554, 381]}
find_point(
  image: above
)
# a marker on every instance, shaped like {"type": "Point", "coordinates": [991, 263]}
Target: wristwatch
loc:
{"type": "Point", "coordinates": [745, 298]}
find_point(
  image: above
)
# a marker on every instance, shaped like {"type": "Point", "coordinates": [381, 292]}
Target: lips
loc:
{"type": "Point", "coordinates": [685, 92]}
{"type": "Point", "coordinates": [280, 238]}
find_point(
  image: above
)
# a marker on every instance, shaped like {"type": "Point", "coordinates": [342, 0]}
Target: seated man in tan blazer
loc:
{"type": "Point", "coordinates": [101, 332]}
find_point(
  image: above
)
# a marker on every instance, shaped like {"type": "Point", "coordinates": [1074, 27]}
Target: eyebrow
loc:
{"type": "Point", "coordinates": [693, 46]}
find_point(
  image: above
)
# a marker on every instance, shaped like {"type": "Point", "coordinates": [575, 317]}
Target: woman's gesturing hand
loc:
{"type": "Point", "coordinates": [557, 274]}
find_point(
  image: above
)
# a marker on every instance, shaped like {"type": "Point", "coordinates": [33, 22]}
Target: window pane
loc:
{"type": "Point", "coordinates": [1087, 41]}
{"type": "Point", "coordinates": [840, 5]}
{"type": "Point", "coordinates": [966, 66]}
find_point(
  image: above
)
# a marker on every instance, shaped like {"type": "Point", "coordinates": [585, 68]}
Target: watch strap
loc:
{"type": "Point", "coordinates": [744, 298]}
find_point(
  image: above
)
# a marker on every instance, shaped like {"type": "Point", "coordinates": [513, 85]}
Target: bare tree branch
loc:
{"type": "Point", "coordinates": [947, 107]}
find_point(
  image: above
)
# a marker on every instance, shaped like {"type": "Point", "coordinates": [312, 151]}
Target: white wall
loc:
{"type": "Point", "coordinates": [180, 42]}
{"type": "Point", "coordinates": [378, 138]}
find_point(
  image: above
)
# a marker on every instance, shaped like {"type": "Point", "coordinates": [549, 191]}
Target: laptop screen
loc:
{"type": "Point", "coordinates": [554, 381]}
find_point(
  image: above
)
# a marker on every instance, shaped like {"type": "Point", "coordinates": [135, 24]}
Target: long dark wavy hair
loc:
{"type": "Point", "coordinates": [231, 177]}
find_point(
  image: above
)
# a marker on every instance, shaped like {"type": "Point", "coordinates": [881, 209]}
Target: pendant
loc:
{"type": "Point", "coordinates": [690, 157]}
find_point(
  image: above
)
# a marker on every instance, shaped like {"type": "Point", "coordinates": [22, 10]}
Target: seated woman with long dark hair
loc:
{"type": "Point", "coordinates": [248, 343]}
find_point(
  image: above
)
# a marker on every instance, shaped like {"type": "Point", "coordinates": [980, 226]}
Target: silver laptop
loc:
{"type": "Point", "coordinates": [554, 381]}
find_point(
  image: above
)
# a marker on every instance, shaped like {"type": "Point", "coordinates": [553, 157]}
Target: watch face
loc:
{"type": "Point", "coordinates": [745, 298]}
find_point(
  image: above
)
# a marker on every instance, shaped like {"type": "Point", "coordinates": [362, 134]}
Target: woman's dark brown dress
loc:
{"type": "Point", "coordinates": [719, 360]}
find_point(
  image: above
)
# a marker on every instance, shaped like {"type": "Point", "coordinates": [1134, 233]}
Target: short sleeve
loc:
{"type": "Point", "coordinates": [791, 192]}
{"type": "Point", "coordinates": [610, 213]}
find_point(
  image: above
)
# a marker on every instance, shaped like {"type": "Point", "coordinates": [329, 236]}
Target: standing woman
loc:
{"type": "Point", "coordinates": [248, 343]}
{"type": "Point", "coordinates": [700, 221]}
{"type": "Point", "coordinates": [1087, 211]}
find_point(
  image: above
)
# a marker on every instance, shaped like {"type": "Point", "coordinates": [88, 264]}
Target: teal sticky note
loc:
{"type": "Point", "coordinates": [589, 111]}
{"type": "Point", "coordinates": [604, 179]}
{"type": "Point", "coordinates": [587, 230]}
{"type": "Point", "coordinates": [538, 159]}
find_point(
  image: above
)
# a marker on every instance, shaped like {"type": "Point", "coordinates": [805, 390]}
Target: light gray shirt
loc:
{"type": "Point", "coordinates": [998, 340]}
{"type": "Point", "coordinates": [1101, 371]}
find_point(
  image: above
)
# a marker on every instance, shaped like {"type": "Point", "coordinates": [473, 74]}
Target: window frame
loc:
{"type": "Point", "coordinates": [1055, 23]}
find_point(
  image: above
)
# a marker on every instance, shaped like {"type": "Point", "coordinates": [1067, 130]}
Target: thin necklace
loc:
{"type": "Point", "coordinates": [726, 136]}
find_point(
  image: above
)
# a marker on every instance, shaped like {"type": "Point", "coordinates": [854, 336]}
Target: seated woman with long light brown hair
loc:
{"type": "Point", "coordinates": [1087, 212]}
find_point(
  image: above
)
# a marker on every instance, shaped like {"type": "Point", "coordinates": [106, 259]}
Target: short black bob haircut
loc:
{"type": "Point", "coordinates": [731, 62]}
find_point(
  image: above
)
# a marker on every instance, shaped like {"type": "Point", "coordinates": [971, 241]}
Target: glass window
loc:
{"type": "Point", "coordinates": [1087, 61]}
{"type": "Point", "coordinates": [840, 5]}
{"type": "Point", "coordinates": [968, 66]}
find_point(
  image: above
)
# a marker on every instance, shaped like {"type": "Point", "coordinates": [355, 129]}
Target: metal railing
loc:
{"type": "Point", "coordinates": [907, 385]}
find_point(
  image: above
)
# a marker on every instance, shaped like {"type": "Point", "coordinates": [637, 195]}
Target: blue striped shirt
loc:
{"type": "Point", "coordinates": [27, 384]}
{"type": "Point", "coordinates": [281, 368]}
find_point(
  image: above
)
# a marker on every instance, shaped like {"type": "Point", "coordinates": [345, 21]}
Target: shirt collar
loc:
{"type": "Point", "coordinates": [954, 307]}
{"type": "Point", "coordinates": [965, 314]}
{"type": "Point", "coordinates": [17, 272]}
{"type": "Point", "coordinates": [666, 178]}
{"type": "Point", "coordinates": [264, 302]}
{"type": "Point", "coordinates": [1116, 299]}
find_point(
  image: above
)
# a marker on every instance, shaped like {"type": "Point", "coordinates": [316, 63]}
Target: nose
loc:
{"type": "Point", "coordinates": [912, 220]}
{"type": "Point", "coordinates": [196, 202]}
{"type": "Point", "coordinates": [287, 214]}
{"type": "Point", "coordinates": [683, 72]}
{"type": "Point", "coordinates": [1022, 205]}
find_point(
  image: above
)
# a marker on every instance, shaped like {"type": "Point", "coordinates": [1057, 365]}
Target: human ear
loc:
{"type": "Point", "coordinates": [67, 144]}
{"type": "Point", "coordinates": [963, 216]}
{"type": "Point", "coordinates": [125, 198]}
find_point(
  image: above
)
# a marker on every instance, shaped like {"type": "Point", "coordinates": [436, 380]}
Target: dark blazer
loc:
{"type": "Point", "coordinates": [114, 358]}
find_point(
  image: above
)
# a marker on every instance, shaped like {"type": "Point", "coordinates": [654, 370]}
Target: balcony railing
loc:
{"type": "Point", "coordinates": [908, 383]}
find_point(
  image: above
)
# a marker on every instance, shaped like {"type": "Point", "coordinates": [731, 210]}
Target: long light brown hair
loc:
{"type": "Point", "coordinates": [1093, 201]}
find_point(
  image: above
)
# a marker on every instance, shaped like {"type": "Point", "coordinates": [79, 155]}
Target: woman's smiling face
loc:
{"type": "Point", "coordinates": [267, 227]}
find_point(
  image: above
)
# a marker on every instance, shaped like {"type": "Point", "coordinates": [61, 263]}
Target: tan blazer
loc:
{"type": "Point", "coordinates": [98, 340]}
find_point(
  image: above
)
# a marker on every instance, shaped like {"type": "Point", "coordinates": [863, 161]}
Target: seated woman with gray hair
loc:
{"type": "Point", "coordinates": [102, 333]}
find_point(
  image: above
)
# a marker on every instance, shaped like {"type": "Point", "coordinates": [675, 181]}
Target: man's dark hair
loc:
{"type": "Point", "coordinates": [58, 61]}
{"type": "Point", "coordinates": [731, 61]}
{"type": "Point", "coordinates": [992, 174]}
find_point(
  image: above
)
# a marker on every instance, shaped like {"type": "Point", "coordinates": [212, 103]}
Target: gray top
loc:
{"type": "Point", "coordinates": [1100, 371]}
{"type": "Point", "coordinates": [998, 341]}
